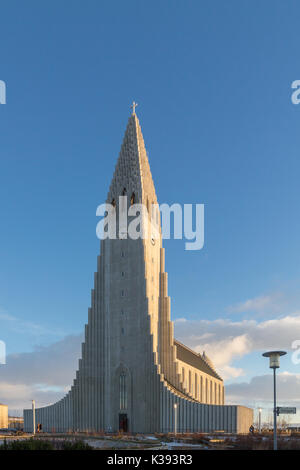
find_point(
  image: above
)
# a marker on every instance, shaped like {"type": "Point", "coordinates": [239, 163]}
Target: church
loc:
{"type": "Point", "coordinates": [133, 375]}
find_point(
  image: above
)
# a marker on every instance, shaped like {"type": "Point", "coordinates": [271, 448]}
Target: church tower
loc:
{"type": "Point", "coordinates": [132, 370]}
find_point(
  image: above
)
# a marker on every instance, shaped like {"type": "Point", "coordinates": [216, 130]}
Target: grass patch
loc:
{"type": "Point", "coordinates": [45, 444]}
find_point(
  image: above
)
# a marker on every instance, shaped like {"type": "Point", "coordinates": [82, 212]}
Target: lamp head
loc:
{"type": "Point", "coordinates": [274, 358]}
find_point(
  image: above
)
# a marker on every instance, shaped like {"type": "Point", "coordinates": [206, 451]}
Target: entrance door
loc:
{"type": "Point", "coordinates": [123, 422]}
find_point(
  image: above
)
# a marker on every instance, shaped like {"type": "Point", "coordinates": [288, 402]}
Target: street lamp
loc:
{"type": "Point", "coordinates": [259, 420]}
{"type": "Point", "coordinates": [175, 418]}
{"type": "Point", "coordinates": [33, 416]}
{"type": "Point", "coordinates": [274, 364]}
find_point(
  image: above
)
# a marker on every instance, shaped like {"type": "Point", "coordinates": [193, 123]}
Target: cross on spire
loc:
{"type": "Point", "coordinates": [133, 106]}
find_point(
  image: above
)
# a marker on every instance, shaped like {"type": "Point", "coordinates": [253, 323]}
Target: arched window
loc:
{"type": "Point", "coordinates": [123, 392]}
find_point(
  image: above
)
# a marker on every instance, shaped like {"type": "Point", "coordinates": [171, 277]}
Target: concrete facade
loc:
{"type": "Point", "coordinates": [3, 416]}
{"type": "Point", "coordinates": [132, 370]}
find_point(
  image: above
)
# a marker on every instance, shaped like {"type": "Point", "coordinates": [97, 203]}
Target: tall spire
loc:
{"type": "Point", "coordinates": [132, 171]}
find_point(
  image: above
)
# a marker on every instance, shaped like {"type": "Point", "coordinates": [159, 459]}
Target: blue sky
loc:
{"type": "Point", "coordinates": [213, 83]}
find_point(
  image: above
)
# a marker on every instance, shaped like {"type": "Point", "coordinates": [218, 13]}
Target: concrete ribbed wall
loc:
{"type": "Point", "coordinates": [191, 416]}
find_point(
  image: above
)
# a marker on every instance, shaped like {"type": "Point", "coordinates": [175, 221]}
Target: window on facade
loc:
{"type": "Point", "coordinates": [123, 274]}
{"type": "Point", "coordinates": [122, 331]}
{"type": "Point", "coordinates": [201, 388]}
{"type": "Point", "coordinates": [122, 293]}
{"type": "Point", "coordinates": [132, 199]}
{"type": "Point", "coordinates": [122, 254]}
{"type": "Point", "coordinates": [124, 192]}
{"type": "Point", "coordinates": [123, 392]}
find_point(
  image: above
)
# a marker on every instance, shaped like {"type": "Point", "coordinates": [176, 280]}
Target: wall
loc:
{"type": "Point", "coordinates": [3, 416]}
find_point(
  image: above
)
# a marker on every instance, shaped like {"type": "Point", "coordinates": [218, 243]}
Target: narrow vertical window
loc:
{"type": "Point", "coordinates": [123, 392]}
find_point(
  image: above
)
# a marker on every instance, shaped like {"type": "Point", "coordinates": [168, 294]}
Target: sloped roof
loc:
{"type": "Point", "coordinates": [194, 359]}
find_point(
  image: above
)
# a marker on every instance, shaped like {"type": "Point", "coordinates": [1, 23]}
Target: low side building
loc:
{"type": "Point", "coordinates": [3, 416]}
{"type": "Point", "coordinates": [15, 422]}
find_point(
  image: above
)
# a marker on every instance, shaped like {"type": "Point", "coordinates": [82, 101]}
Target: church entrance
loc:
{"type": "Point", "coordinates": [123, 422]}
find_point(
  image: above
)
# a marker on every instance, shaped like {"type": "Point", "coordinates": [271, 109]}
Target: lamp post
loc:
{"type": "Point", "coordinates": [33, 416]}
{"type": "Point", "coordinates": [259, 420]}
{"type": "Point", "coordinates": [274, 364]}
{"type": "Point", "coordinates": [175, 418]}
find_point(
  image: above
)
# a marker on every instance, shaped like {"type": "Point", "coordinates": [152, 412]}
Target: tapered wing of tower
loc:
{"type": "Point", "coordinates": [177, 364]}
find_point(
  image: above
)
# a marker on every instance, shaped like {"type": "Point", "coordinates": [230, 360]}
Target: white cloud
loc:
{"type": "Point", "coordinates": [44, 374]}
{"type": "Point", "coordinates": [227, 340]}
{"type": "Point", "coordinates": [18, 325]}
{"type": "Point", "coordinates": [272, 303]}
{"type": "Point", "coordinates": [47, 372]}
{"type": "Point", "coordinates": [19, 396]}
{"type": "Point", "coordinates": [260, 389]}
{"type": "Point", "coordinates": [222, 352]}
